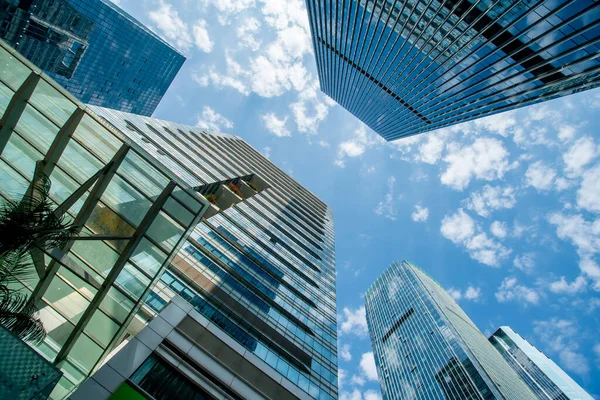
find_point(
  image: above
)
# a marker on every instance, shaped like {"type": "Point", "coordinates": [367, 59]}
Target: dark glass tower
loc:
{"type": "Point", "coordinates": [411, 66]}
{"type": "Point", "coordinates": [546, 379]}
{"type": "Point", "coordinates": [94, 49]}
{"type": "Point", "coordinates": [426, 347]}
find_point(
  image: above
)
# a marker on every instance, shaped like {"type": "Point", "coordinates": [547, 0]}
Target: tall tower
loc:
{"type": "Point", "coordinates": [94, 49]}
{"type": "Point", "coordinates": [426, 347]}
{"type": "Point", "coordinates": [412, 66]}
{"type": "Point", "coordinates": [165, 209]}
{"type": "Point", "coordinates": [546, 379]}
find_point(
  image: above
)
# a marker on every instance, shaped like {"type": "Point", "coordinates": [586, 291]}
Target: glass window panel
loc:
{"type": "Point", "coordinates": [52, 103]}
{"type": "Point", "coordinates": [126, 200]}
{"type": "Point", "coordinates": [85, 353]}
{"type": "Point", "coordinates": [104, 221]}
{"type": "Point", "coordinates": [5, 95]}
{"type": "Point", "coordinates": [62, 187]}
{"type": "Point", "coordinates": [21, 155]}
{"type": "Point", "coordinates": [165, 231]}
{"type": "Point", "coordinates": [78, 162]}
{"type": "Point", "coordinates": [82, 286]}
{"type": "Point", "coordinates": [116, 304]}
{"type": "Point", "coordinates": [12, 185]}
{"type": "Point", "coordinates": [132, 281]}
{"type": "Point", "coordinates": [97, 138]}
{"type": "Point", "coordinates": [36, 128]}
{"type": "Point", "coordinates": [141, 174]}
{"type": "Point", "coordinates": [57, 327]}
{"type": "Point", "coordinates": [186, 199]}
{"type": "Point", "coordinates": [101, 328]}
{"type": "Point", "coordinates": [96, 253]}
{"type": "Point", "coordinates": [148, 257]}
{"type": "Point", "coordinates": [12, 71]}
{"type": "Point", "coordinates": [178, 211]}
{"type": "Point", "coordinates": [65, 299]}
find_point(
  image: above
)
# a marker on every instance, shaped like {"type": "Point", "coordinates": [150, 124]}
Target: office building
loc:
{"type": "Point", "coordinates": [94, 49]}
{"type": "Point", "coordinates": [168, 209]}
{"type": "Point", "coordinates": [426, 347]}
{"type": "Point", "coordinates": [546, 379]}
{"type": "Point", "coordinates": [412, 66]}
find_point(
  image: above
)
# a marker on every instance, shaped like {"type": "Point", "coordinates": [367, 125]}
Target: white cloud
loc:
{"type": "Point", "coordinates": [471, 293]}
{"type": "Point", "coordinates": [341, 377]}
{"type": "Point", "coordinates": [246, 32]}
{"type": "Point", "coordinates": [430, 151]}
{"type": "Point", "coordinates": [367, 365]}
{"type": "Point", "coordinates": [485, 158]}
{"type": "Point", "coordinates": [581, 153]}
{"type": "Point", "coordinates": [361, 140]}
{"type": "Point", "coordinates": [462, 230]}
{"type": "Point", "coordinates": [421, 214]}
{"type": "Point", "coordinates": [525, 262]}
{"type": "Point", "coordinates": [562, 286]}
{"type": "Point", "coordinates": [354, 321]}
{"type": "Point", "coordinates": [201, 38]}
{"type": "Point", "coordinates": [585, 236]}
{"type": "Point", "coordinates": [510, 290]}
{"type": "Point", "coordinates": [561, 337]}
{"type": "Point", "coordinates": [345, 352]}
{"type": "Point", "coordinates": [501, 124]}
{"type": "Point", "coordinates": [354, 395]}
{"type": "Point", "coordinates": [229, 8]}
{"type": "Point", "coordinates": [172, 27]}
{"type": "Point", "coordinates": [324, 143]}
{"type": "Point", "coordinates": [499, 229]}
{"type": "Point", "coordinates": [387, 206]}
{"type": "Point", "coordinates": [358, 380]}
{"type": "Point", "coordinates": [540, 176]}
{"type": "Point", "coordinates": [588, 195]}
{"type": "Point", "coordinates": [275, 125]}
{"type": "Point", "coordinates": [459, 227]}
{"type": "Point", "coordinates": [566, 133]}
{"type": "Point", "coordinates": [455, 293]}
{"type": "Point", "coordinates": [211, 120]}
{"type": "Point", "coordinates": [372, 395]}
{"type": "Point", "coordinates": [491, 198]}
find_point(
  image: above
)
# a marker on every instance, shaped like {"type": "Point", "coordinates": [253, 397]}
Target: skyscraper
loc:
{"type": "Point", "coordinates": [546, 379]}
{"type": "Point", "coordinates": [412, 66]}
{"type": "Point", "coordinates": [426, 347]}
{"type": "Point", "coordinates": [98, 52]}
{"type": "Point", "coordinates": [167, 209]}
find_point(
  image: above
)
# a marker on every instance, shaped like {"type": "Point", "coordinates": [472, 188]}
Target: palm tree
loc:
{"type": "Point", "coordinates": [26, 225]}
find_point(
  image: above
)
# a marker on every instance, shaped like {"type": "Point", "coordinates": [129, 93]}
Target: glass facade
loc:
{"type": "Point", "coordinates": [132, 216]}
{"type": "Point", "coordinates": [546, 379]}
{"type": "Point", "coordinates": [258, 260]}
{"type": "Point", "coordinates": [261, 269]}
{"type": "Point", "coordinates": [408, 67]}
{"type": "Point", "coordinates": [94, 49]}
{"type": "Point", "coordinates": [426, 347]}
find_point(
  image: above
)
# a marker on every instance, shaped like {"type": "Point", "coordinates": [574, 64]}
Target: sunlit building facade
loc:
{"type": "Point", "coordinates": [94, 49]}
{"type": "Point", "coordinates": [426, 347]}
{"type": "Point", "coordinates": [167, 209]}
{"type": "Point", "coordinates": [408, 67]}
{"type": "Point", "coordinates": [546, 379]}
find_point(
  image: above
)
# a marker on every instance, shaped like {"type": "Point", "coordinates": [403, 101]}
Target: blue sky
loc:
{"type": "Point", "coordinates": [504, 212]}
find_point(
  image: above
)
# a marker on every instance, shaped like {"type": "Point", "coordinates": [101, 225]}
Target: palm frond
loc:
{"type": "Point", "coordinates": [31, 221]}
{"type": "Point", "coordinates": [19, 316]}
{"type": "Point", "coordinates": [15, 267]}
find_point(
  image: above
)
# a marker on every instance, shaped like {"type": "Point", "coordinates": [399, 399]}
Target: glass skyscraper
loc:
{"type": "Point", "coordinates": [99, 53]}
{"type": "Point", "coordinates": [546, 379]}
{"type": "Point", "coordinates": [412, 66]}
{"type": "Point", "coordinates": [167, 209]}
{"type": "Point", "coordinates": [426, 347]}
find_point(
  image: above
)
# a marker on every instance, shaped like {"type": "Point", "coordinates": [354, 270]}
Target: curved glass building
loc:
{"type": "Point", "coordinates": [426, 347]}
